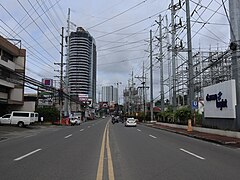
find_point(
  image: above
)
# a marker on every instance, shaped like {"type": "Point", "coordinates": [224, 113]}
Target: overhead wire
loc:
{"type": "Point", "coordinates": [130, 25]}
{"type": "Point", "coordinates": [23, 20]}
{"type": "Point", "coordinates": [41, 67]}
{"type": "Point", "coordinates": [11, 34]}
{"type": "Point", "coordinates": [56, 14]}
{"type": "Point", "coordinates": [26, 31]}
{"type": "Point", "coordinates": [44, 22]}
{"type": "Point", "coordinates": [118, 14]}
{"type": "Point", "coordinates": [49, 18]}
{"type": "Point", "coordinates": [38, 25]}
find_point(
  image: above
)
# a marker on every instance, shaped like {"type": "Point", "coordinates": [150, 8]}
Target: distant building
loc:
{"type": "Point", "coordinates": [82, 64]}
{"type": "Point", "coordinates": [132, 100]}
{"type": "Point", "coordinates": [12, 61]}
{"type": "Point", "coordinates": [109, 94]}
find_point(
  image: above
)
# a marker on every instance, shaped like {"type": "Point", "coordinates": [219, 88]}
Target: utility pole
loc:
{"type": "Point", "coordinates": [169, 63]}
{"type": "Point", "coordinates": [132, 95]}
{"type": "Point", "coordinates": [66, 105]}
{"type": "Point", "coordinates": [151, 78]}
{"type": "Point", "coordinates": [190, 61]}
{"type": "Point", "coordinates": [130, 98]}
{"type": "Point", "coordinates": [173, 12]}
{"type": "Point", "coordinates": [161, 63]}
{"type": "Point", "coordinates": [142, 79]}
{"type": "Point", "coordinates": [61, 75]}
{"type": "Point", "coordinates": [61, 64]}
{"type": "Point", "coordinates": [235, 47]}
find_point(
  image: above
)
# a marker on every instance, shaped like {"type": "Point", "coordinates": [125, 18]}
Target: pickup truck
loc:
{"type": "Point", "coordinates": [19, 118]}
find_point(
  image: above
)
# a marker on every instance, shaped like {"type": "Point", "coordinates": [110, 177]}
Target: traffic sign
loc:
{"type": "Point", "coordinates": [194, 104]}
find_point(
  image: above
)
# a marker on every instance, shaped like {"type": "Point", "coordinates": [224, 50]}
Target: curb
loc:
{"type": "Point", "coordinates": [194, 136]}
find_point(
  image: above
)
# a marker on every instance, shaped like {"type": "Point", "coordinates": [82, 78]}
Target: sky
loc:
{"type": "Point", "coordinates": [121, 31]}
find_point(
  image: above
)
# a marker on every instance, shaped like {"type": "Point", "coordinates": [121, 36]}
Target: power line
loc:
{"type": "Point", "coordinates": [131, 24]}
{"type": "Point", "coordinates": [118, 14]}
{"type": "Point", "coordinates": [49, 18]}
{"type": "Point", "coordinates": [37, 25]}
{"type": "Point", "coordinates": [26, 43]}
{"type": "Point", "coordinates": [26, 31]}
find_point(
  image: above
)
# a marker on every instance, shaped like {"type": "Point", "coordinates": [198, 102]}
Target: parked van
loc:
{"type": "Point", "coordinates": [19, 118]}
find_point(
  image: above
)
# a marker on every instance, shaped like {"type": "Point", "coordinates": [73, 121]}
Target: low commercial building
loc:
{"type": "Point", "coordinates": [12, 71]}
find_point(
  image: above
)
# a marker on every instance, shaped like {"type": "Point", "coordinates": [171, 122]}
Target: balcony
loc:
{"type": "Point", "coordinates": [8, 64]}
{"type": "Point", "coordinates": [5, 83]}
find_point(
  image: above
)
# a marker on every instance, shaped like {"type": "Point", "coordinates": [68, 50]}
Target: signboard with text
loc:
{"type": "Point", "coordinates": [220, 100]}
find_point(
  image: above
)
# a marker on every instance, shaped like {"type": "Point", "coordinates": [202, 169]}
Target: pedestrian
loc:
{"type": "Point", "coordinates": [41, 120]}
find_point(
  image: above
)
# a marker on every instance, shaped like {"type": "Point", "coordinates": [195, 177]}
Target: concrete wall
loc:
{"type": "Point", "coordinates": [16, 94]}
{"type": "Point", "coordinates": [28, 106]}
{"type": "Point", "coordinates": [225, 124]}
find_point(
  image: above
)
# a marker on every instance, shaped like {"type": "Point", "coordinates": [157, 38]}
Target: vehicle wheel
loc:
{"type": "Point", "coordinates": [20, 124]}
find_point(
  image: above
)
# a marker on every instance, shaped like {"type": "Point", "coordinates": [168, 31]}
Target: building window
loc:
{"type": "Point", "coordinates": [3, 89]}
{"type": "Point", "coordinates": [6, 56]}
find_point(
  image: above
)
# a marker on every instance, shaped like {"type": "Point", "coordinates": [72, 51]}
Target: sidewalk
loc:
{"type": "Point", "coordinates": [219, 139]}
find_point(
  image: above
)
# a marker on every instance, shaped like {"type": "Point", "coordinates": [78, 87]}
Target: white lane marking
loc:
{"type": "Point", "coordinates": [139, 130]}
{"type": "Point", "coordinates": [81, 129]}
{"type": "Point", "coordinates": [152, 136]}
{"type": "Point", "coordinates": [17, 159]}
{"type": "Point", "coordinates": [30, 136]}
{"type": "Point", "coordinates": [199, 157]}
{"type": "Point", "coordinates": [68, 136]}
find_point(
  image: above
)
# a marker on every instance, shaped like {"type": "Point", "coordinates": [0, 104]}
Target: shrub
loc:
{"type": "Point", "coordinates": [182, 115]}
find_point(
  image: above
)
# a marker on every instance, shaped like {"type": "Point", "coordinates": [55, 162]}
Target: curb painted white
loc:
{"type": "Point", "coordinates": [234, 134]}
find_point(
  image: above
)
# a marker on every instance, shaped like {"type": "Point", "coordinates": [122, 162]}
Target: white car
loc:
{"type": "Point", "coordinates": [130, 122]}
{"type": "Point", "coordinates": [75, 121]}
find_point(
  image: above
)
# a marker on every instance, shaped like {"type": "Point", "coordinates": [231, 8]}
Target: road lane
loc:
{"type": "Point", "coordinates": [136, 156]}
{"type": "Point", "coordinates": [60, 158]}
{"type": "Point", "coordinates": [130, 153]}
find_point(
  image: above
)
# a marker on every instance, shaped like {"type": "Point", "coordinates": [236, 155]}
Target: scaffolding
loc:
{"type": "Point", "coordinates": [210, 67]}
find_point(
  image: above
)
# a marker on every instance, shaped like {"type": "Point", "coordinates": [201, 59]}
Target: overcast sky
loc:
{"type": "Point", "coordinates": [120, 28]}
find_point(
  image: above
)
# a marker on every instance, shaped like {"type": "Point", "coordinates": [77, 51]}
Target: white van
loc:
{"type": "Point", "coordinates": [20, 118]}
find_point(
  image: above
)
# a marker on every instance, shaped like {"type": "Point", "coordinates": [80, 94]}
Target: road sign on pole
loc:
{"type": "Point", "coordinates": [194, 104]}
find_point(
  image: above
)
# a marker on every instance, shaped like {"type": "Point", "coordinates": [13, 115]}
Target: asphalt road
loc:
{"type": "Point", "coordinates": [98, 150]}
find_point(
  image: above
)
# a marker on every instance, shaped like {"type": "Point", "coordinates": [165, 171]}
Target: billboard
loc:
{"type": "Point", "coordinates": [83, 97]}
{"type": "Point", "coordinates": [45, 99]}
{"type": "Point", "coordinates": [47, 82]}
{"type": "Point", "coordinates": [220, 100]}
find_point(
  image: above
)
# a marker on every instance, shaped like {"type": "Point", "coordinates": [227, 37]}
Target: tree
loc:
{"type": "Point", "coordinates": [49, 114]}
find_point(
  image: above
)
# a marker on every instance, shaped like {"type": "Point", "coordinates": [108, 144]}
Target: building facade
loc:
{"type": "Point", "coordinates": [12, 71]}
{"type": "Point", "coordinates": [82, 64]}
{"type": "Point", "coordinates": [109, 94]}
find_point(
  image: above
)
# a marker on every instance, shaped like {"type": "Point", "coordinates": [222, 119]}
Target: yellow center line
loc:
{"type": "Point", "coordinates": [101, 158]}
{"type": "Point", "coordinates": [110, 164]}
{"type": "Point", "coordinates": [109, 156]}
